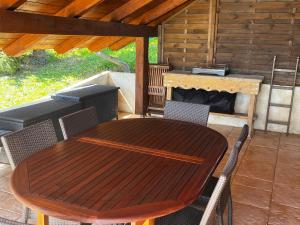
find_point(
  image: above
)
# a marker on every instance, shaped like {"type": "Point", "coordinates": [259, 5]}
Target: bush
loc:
{"type": "Point", "coordinates": [8, 65]}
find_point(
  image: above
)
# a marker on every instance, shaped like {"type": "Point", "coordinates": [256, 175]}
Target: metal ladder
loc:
{"type": "Point", "coordinates": [291, 88]}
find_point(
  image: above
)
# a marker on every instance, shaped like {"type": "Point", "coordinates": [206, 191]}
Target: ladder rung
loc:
{"type": "Point", "coordinates": [278, 122]}
{"type": "Point", "coordinates": [285, 70]}
{"type": "Point", "coordinates": [280, 105]}
{"type": "Point", "coordinates": [282, 87]}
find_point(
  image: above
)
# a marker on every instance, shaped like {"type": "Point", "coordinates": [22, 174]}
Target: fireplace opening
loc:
{"type": "Point", "coordinates": [220, 102]}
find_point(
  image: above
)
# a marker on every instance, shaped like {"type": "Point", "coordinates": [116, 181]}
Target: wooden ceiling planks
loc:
{"type": "Point", "coordinates": [127, 11]}
{"type": "Point", "coordinates": [147, 17]}
{"type": "Point", "coordinates": [121, 43]}
{"type": "Point", "coordinates": [106, 7]}
{"type": "Point", "coordinates": [75, 8]}
{"type": "Point", "coordinates": [6, 38]}
{"type": "Point", "coordinates": [116, 15]}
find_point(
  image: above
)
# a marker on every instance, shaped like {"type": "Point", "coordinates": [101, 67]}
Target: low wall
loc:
{"type": "Point", "coordinates": [126, 82]}
{"type": "Point", "coordinates": [241, 106]}
{"type": "Point", "coordinates": [281, 114]}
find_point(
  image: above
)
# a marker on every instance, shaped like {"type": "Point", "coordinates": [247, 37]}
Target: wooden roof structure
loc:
{"type": "Point", "coordinates": [66, 24]}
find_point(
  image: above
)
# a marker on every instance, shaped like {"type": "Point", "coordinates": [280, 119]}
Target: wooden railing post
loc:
{"type": "Point", "coordinates": [141, 69]}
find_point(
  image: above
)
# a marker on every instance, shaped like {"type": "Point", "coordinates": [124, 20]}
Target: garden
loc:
{"type": "Point", "coordinates": [42, 72]}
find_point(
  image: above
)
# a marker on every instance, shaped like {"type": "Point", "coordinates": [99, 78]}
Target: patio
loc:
{"type": "Point", "coordinates": [265, 185]}
{"type": "Point", "coordinates": [196, 38]}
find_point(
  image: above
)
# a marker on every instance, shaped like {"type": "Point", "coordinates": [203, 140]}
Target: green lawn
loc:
{"type": "Point", "coordinates": [60, 71]}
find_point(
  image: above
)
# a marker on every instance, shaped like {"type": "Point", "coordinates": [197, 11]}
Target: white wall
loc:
{"type": "Point", "coordinates": [280, 114]}
{"type": "Point", "coordinates": [126, 82]}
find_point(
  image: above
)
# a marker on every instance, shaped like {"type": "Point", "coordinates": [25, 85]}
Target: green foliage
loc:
{"type": "Point", "coordinates": [35, 80]}
{"type": "Point", "coordinates": [8, 65]}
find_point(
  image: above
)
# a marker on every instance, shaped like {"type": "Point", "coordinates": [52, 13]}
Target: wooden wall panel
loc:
{"type": "Point", "coordinates": [250, 33]}
{"type": "Point", "coordinates": [185, 36]}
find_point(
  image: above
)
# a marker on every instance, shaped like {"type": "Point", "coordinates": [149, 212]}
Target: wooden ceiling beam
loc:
{"type": "Point", "coordinates": [152, 17]}
{"type": "Point", "coordinates": [19, 22]}
{"type": "Point", "coordinates": [116, 15]}
{"type": "Point", "coordinates": [141, 78]}
{"type": "Point", "coordinates": [74, 9]}
{"type": "Point", "coordinates": [122, 42]}
{"type": "Point", "coordinates": [11, 4]}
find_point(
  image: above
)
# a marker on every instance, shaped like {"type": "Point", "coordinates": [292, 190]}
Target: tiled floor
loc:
{"type": "Point", "coordinates": [265, 187]}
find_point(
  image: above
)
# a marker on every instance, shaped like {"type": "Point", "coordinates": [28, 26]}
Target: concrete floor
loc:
{"type": "Point", "coordinates": [265, 187]}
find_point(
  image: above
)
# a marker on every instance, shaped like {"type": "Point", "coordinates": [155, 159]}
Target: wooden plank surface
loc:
{"type": "Point", "coordinates": [248, 35]}
{"type": "Point", "coordinates": [251, 33]}
{"type": "Point", "coordinates": [231, 84]}
{"type": "Point", "coordinates": [185, 35]}
{"type": "Point", "coordinates": [103, 183]}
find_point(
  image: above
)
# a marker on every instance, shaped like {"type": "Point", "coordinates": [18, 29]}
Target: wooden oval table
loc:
{"type": "Point", "coordinates": [120, 171]}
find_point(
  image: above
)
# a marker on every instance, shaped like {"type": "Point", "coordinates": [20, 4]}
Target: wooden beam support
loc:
{"type": "Point", "coordinates": [42, 219]}
{"type": "Point", "coordinates": [211, 31]}
{"type": "Point", "coordinates": [11, 4]}
{"type": "Point", "coordinates": [100, 42]}
{"type": "Point", "coordinates": [146, 222]}
{"type": "Point", "coordinates": [19, 22]}
{"type": "Point", "coordinates": [121, 43]}
{"type": "Point", "coordinates": [74, 9]}
{"type": "Point", "coordinates": [141, 69]}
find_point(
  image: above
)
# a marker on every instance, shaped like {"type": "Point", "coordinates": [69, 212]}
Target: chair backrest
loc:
{"type": "Point", "coordinates": [230, 166]}
{"type": "Point", "coordinates": [4, 221]}
{"type": "Point", "coordinates": [23, 143]}
{"type": "Point", "coordinates": [77, 122]}
{"type": "Point", "coordinates": [209, 215]}
{"type": "Point", "coordinates": [188, 112]}
{"type": "Point", "coordinates": [233, 158]}
{"type": "Point", "coordinates": [156, 89]}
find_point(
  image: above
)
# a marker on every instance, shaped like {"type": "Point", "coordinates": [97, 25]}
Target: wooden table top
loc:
{"type": "Point", "coordinates": [121, 171]}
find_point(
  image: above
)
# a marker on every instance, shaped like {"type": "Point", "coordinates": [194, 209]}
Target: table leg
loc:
{"type": "Point", "coordinates": [251, 111]}
{"type": "Point", "coordinates": [146, 222]}
{"type": "Point", "coordinates": [169, 93]}
{"type": "Point", "coordinates": [43, 219]}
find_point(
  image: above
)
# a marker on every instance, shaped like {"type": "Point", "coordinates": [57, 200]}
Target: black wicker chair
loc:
{"type": "Point", "coordinates": [193, 214]}
{"type": "Point", "coordinates": [188, 112]}
{"type": "Point", "coordinates": [77, 122]}
{"type": "Point", "coordinates": [226, 199]}
{"type": "Point", "coordinates": [23, 143]}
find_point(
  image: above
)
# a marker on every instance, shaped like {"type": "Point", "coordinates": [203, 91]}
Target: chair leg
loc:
{"type": "Point", "coordinates": [26, 214]}
{"type": "Point", "coordinates": [220, 220]}
{"type": "Point", "coordinates": [220, 216]}
{"type": "Point", "coordinates": [229, 209]}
